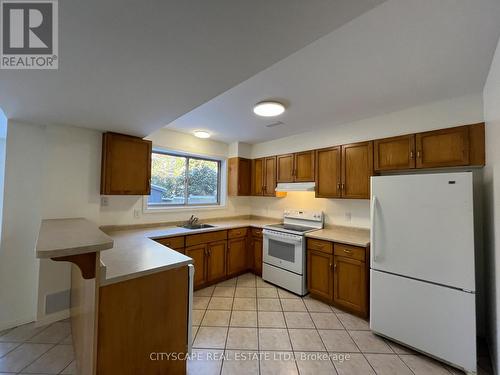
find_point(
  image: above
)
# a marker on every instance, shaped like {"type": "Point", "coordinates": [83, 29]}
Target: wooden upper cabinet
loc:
{"type": "Point", "coordinates": [304, 166]}
{"type": "Point", "coordinates": [394, 153]}
{"type": "Point", "coordinates": [284, 168]}
{"type": "Point", "coordinates": [443, 148]}
{"type": "Point", "coordinates": [269, 176]}
{"type": "Point", "coordinates": [298, 167]}
{"type": "Point", "coordinates": [328, 172]}
{"type": "Point", "coordinates": [125, 165]}
{"type": "Point", "coordinates": [258, 176]}
{"type": "Point", "coordinates": [264, 176]}
{"type": "Point", "coordinates": [357, 168]}
{"type": "Point", "coordinates": [239, 177]}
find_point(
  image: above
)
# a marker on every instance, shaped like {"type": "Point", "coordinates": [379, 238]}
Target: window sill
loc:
{"type": "Point", "coordinates": [152, 210]}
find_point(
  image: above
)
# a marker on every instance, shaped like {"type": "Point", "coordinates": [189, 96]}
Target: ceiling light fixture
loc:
{"type": "Point", "coordinates": [268, 109]}
{"type": "Point", "coordinates": [201, 134]}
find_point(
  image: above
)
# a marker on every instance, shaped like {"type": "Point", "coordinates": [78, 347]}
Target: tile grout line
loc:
{"type": "Point", "coordinates": [258, 325]}
{"type": "Point", "coordinates": [227, 332]}
{"type": "Point", "coordinates": [288, 333]}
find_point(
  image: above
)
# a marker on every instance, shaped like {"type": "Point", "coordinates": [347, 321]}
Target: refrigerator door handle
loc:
{"type": "Point", "coordinates": [372, 231]}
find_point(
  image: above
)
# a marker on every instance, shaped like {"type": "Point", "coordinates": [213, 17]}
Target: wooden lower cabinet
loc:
{"type": "Point", "coordinates": [237, 256]}
{"type": "Point", "coordinates": [338, 274]}
{"type": "Point", "coordinates": [257, 256]}
{"type": "Point", "coordinates": [349, 283]}
{"type": "Point", "coordinates": [320, 274]}
{"type": "Point", "coordinates": [138, 317]}
{"type": "Point", "coordinates": [216, 261]}
{"type": "Point", "coordinates": [198, 253]}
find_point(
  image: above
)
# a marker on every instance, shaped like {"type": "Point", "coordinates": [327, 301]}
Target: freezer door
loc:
{"type": "Point", "coordinates": [436, 320]}
{"type": "Point", "coordinates": [422, 227]}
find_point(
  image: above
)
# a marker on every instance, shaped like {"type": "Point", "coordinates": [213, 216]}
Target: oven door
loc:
{"type": "Point", "coordinates": [284, 250]}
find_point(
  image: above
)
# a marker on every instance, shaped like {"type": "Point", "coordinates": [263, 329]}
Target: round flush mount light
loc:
{"type": "Point", "coordinates": [268, 109]}
{"type": "Point", "coordinates": [201, 134]}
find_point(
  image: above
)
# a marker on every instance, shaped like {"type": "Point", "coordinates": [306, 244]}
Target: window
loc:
{"type": "Point", "coordinates": [178, 180]}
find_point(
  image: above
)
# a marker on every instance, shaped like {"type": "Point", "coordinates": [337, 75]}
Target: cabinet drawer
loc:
{"type": "Point", "coordinates": [196, 239]}
{"type": "Point", "coordinates": [320, 245]}
{"type": "Point", "coordinates": [256, 232]}
{"type": "Point", "coordinates": [352, 252]}
{"type": "Point", "coordinates": [236, 233]}
{"type": "Point", "coordinates": [172, 242]}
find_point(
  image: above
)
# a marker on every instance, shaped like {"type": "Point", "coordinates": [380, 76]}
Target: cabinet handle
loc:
{"type": "Point", "coordinates": [342, 186]}
{"type": "Point", "coordinates": [338, 186]}
{"type": "Point", "coordinates": [209, 252]}
{"type": "Point", "coordinates": [347, 251]}
{"type": "Point", "coordinates": [335, 267]}
{"type": "Point", "coordinates": [411, 155]}
{"type": "Point", "coordinates": [419, 154]}
{"type": "Point", "coordinates": [331, 266]}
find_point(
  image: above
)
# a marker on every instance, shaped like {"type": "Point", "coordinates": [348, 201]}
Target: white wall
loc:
{"type": "Point", "coordinates": [448, 113]}
{"type": "Point", "coordinates": [21, 221]}
{"type": "Point", "coordinates": [492, 204]}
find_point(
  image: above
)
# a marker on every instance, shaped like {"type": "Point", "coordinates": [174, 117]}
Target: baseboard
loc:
{"type": "Point", "coordinates": [49, 319]}
{"type": "Point", "coordinates": [493, 364]}
{"type": "Point", "coordinates": [15, 323]}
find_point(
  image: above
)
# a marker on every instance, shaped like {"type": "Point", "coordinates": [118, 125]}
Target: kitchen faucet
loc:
{"type": "Point", "coordinates": [192, 220]}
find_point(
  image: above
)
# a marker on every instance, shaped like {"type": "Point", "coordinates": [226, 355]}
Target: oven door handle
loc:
{"type": "Point", "coordinates": [282, 238]}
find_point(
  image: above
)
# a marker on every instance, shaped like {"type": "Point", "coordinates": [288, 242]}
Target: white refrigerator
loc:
{"type": "Point", "coordinates": [422, 290]}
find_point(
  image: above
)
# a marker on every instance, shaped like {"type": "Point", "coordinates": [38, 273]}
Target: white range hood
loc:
{"type": "Point", "coordinates": [295, 186]}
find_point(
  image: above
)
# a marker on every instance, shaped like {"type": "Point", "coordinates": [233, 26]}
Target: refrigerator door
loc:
{"type": "Point", "coordinates": [422, 227]}
{"type": "Point", "coordinates": [436, 320]}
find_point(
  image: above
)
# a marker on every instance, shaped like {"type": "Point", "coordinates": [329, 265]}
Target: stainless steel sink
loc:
{"type": "Point", "coordinates": [196, 226]}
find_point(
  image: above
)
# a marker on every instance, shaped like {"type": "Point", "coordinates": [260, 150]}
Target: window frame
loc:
{"type": "Point", "coordinates": [165, 207]}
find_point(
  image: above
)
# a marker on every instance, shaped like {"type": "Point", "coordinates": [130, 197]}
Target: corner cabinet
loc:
{"type": "Point", "coordinates": [239, 178]}
{"type": "Point", "coordinates": [338, 274]}
{"type": "Point", "coordinates": [125, 165]}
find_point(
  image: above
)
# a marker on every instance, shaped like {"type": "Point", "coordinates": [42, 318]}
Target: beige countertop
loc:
{"type": "Point", "coordinates": [135, 253]}
{"type": "Point", "coordinates": [346, 235]}
{"type": "Point", "coordinates": [65, 237]}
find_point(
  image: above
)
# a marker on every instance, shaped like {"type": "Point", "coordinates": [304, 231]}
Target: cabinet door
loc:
{"type": "Point", "coordinates": [125, 165]}
{"type": "Point", "coordinates": [328, 174]}
{"type": "Point", "coordinates": [198, 253]}
{"type": "Point", "coordinates": [216, 260]}
{"type": "Point", "coordinates": [257, 255]}
{"type": "Point", "coordinates": [270, 176]}
{"type": "Point", "coordinates": [239, 178]}
{"type": "Point", "coordinates": [443, 148]}
{"type": "Point", "coordinates": [257, 176]}
{"type": "Point", "coordinates": [350, 284]}
{"type": "Point", "coordinates": [320, 274]}
{"type": "Point", "coordinates": [394, 153]}
{"type": "Point", "coordinates": [357, 167]}
{"type": "Point", "coordinates": [236, 256]}
{"type": "Point", "coordinates": [284, 168]}
{"type": "Point", "coordinates": [304, 166]}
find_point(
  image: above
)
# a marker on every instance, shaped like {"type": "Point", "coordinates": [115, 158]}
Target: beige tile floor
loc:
{"type": "Point", "coordinates": [247, 326]}
{"type": "Point", "coordinates": [29, 349]}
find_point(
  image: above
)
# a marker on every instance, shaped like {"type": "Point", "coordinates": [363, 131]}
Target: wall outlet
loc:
{"type": "Point", "coordinates": [104, 201]}
{"type": "Point", "coordinates": [137, 213]}
{"type": "Point", "coordinates": [347, 217]}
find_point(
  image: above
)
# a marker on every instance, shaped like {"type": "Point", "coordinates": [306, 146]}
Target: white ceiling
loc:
{"type": "Point", "coordinates": [133, 66]}
{"type": "Point", "coordinates": [400, 54]}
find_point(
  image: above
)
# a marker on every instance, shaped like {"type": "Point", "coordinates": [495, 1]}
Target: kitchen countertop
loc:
{"type": "Point", "coordinates": [135, 253]}
{"type": "Point", "coordinates": [346, 235]}
{"type": "Point", "coordinates": [66, 237]}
